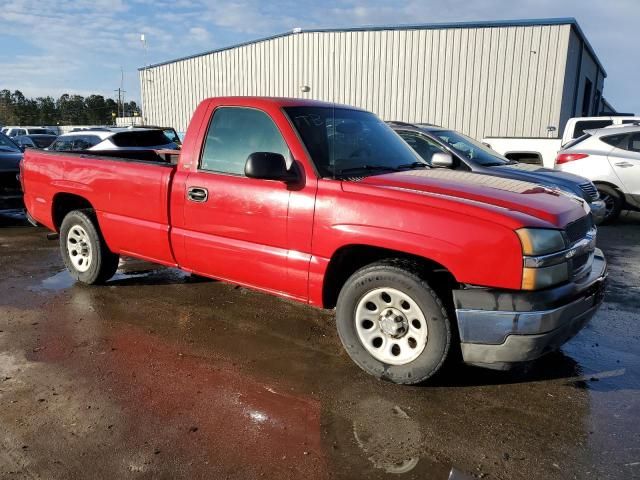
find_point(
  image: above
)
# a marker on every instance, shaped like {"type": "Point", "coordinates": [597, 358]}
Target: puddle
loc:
{"type": "Point", "coordinates": [125, 276]}
{"type": "Point", "coordinates": [60, 281]}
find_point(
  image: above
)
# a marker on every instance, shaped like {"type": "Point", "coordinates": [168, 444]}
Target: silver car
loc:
{"type": "Point", "coordinates": [610, 158]}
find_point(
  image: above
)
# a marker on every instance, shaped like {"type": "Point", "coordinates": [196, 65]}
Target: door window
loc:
{"type": "Point", "coordinates": [634, 142]}
{"type": "Point", "coordinates": [234, 134]}
{"type": "Point", "coordinates": [63, 144]}
{"type": "Point", "coordinates": [422, 145]}
{"type": "Point", "coordinates": [619, 141]}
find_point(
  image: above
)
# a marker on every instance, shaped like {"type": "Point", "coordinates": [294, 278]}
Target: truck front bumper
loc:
{"type": "Point", "coordinates": [500, 328]}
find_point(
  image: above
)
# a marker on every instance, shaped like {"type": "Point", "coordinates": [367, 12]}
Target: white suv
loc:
{"type": "Point", "coordinates": [19, 131]}
{"type": "Point", "coordinates": [610, 158]}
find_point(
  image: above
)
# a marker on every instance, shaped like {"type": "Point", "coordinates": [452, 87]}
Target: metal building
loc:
{"type": "Point", "coordinates": [503, 78]}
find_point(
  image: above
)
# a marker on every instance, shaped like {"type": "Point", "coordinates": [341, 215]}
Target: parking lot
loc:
{"type": "Point", "coordinates": [161, 375]}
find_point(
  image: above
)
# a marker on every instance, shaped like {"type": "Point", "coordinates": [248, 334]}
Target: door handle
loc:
{"type": "Point", "coordinates": [624, 164]}
{"type": "Point", "coordinates": [197, 194]}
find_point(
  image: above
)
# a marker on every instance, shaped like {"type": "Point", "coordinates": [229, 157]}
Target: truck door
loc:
{"type": "Point", "coordinates": [234, 227]}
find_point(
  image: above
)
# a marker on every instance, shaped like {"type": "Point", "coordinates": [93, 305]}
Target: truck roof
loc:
{"type": "Point", "coordinates": [276, 101]}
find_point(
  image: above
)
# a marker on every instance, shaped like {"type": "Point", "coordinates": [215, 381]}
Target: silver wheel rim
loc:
{"type": "Point", "coordinates": [79, 248]}
{"type": "Point", "coordinates": [391, 326]}
{"type": "Point", "coordinates": [608, 202]}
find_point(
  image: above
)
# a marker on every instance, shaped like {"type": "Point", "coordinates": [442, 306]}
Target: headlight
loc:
{"type": "Point", "coordinates": [537, 278]}
{"type": "Point", "coordinates": [538, 241]}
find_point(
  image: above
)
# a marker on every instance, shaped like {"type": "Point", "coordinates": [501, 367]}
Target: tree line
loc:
{"type": "Point", "coordinates": [16, 109]}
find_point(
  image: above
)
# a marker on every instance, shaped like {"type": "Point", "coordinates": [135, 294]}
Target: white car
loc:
{"type": "Point", "coordinates": [610, 158]}
{"type": "Point", "coordinates": [543, 151]}
{"type": "Point", "coordinates": [12, 132]}
{"type": "Point", "coordinates": [116, 139]}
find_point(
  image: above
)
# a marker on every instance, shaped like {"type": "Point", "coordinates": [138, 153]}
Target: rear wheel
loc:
{"type": "Point", "coordinates": [392, 324]}
{"type": "Point", "coordinates": [83, 249]}
{"type": "Point", "coordinates": [613, 201]}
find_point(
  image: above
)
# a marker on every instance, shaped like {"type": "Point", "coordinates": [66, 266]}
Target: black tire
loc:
{"type": "Point", "coordinates": [103, 262]}
{"type": "Point", "coordinates": [613, 201]}
{"type": "Point", "coordinates": [403, 277]}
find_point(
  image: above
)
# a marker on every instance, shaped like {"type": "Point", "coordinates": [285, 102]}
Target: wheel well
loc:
{"type": "Point", "coordinates": [63, 203]}
{"type": "Point", "coordinates": [607, 184]}
{"type": "Point", "coordinates": [347, 260]}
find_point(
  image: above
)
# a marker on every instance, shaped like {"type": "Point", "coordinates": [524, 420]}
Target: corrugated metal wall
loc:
{"type": "Point", "coordinates": [490, 81]}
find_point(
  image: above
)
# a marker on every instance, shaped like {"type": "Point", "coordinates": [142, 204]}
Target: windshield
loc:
{"type": "Point", "coordinates": [43, 141]}
{"type": "Point", "coordinates": [172, 135]}
{"type": "Point", "coordinates": [40, 131]}
{"type": "Point", "coordinates": [345, 142]}
{"type": "Point", "coordinates": [7, 145]}
{"type": "Point", "coordinates": [470, 149]}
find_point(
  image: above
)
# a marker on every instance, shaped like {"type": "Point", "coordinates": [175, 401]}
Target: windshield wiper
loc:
{"type": "Point", "coordinates": [370, 168]}
{"type": "Point", "coordinates": [413, 165]}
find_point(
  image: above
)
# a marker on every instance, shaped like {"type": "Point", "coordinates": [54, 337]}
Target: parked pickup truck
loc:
{"type": "Point", "coordinates": [543, 151]}
{"type": "Point", "coordinates": [326, 205]}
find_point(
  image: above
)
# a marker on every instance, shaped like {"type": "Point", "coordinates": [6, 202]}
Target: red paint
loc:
{"type": "Point", "coordinates": [280, 239]}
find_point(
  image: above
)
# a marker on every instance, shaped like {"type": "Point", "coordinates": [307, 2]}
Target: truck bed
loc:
{"type": "Point", "coordinates": [129, 191]}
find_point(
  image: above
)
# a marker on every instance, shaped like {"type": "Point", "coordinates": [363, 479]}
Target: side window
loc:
{"type": "Point", "coordinates": [619, 141]}
{"type": "Point", "coordinates": [234, 134]}
{"type": "Point", "coordinates": [422, 145]}
{"type": "Point", "coordinates": [63, 144]}
{"type": "Point", "coordinates": [634, 142]}
{"type": "Point", "coordinates": [81, 143]}
{"type": "Point", "coordinates": [588, 125]}
{"type": "Point", "coordinates": [92, 140]}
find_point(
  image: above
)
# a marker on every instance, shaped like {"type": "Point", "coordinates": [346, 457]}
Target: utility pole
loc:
{"type": "Point", "coordinates": [121, 93]}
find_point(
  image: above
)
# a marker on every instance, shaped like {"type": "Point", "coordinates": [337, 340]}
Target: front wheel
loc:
{"type": "Point", "coordinates": [392, 324]}
{"type": "Point", "coordinates": [84, 251]}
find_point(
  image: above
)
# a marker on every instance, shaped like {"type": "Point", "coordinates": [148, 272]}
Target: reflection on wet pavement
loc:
{"type": "Point", "coordinates": [159, 374]}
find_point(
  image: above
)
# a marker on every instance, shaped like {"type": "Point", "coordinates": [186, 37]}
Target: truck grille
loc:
{"type": "Point", "coordinates": [578, 229]}
{"type": "Point", "coordinates": [9, 184]}
{"type": "Point", "coordinates": [580, 261]}
{"type": "Point", "coordinates": [590, 191]}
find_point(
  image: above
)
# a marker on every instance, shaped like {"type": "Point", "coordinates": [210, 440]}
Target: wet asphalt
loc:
{"type": "Point", "coordinates": [162, 375]}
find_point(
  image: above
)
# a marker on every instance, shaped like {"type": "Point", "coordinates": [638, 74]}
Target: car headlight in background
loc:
{"type": "Point", "coordinates": [539, 241]}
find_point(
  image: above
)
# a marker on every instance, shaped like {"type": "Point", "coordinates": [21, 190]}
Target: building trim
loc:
{"type": "Point", "coordinates": [421, 26]}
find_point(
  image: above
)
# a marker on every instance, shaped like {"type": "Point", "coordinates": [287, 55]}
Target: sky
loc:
{"type": "Point", "coordinates": [84, 47]}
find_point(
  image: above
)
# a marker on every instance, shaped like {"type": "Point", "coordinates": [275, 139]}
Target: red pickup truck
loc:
{"type": "Point", "coordinates": [326, 205]}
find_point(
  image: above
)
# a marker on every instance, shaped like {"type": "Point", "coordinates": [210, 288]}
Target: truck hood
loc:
{"type": "Point", "coordinates": [9, 161]}
{"type": "Point", "coordinates": [514, 195]}
{"type": "Point", "coordinates": [543, 176]}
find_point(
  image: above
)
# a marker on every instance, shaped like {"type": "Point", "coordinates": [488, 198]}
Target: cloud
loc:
{"type": "Point", "coordinates": [199, 34]}
{"type": "Point", "coordinates": [81, 44]}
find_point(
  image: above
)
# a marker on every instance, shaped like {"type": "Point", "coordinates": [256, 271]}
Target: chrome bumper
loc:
{"type": "Point", "coordinates": [499, 337]}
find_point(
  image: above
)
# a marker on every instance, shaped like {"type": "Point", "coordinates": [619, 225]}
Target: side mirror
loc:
{"type": "Point", "coordinates": [268, 166]}
{"type": "Point", "coordinates": [441, 160]}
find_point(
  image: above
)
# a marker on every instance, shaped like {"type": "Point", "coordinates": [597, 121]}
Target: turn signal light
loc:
{"type": "Point", "coordinates": [569, 157]}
